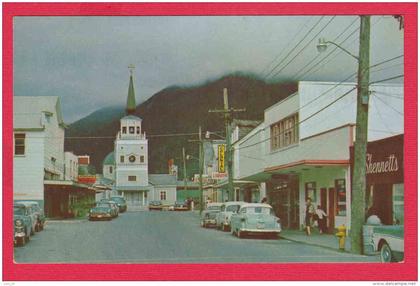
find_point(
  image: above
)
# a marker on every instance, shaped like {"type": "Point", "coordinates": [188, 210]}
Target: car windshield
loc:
{"type": "Point", "coordinates": [214, 208]}
{"type": "Point", "coordinates": [102, 205]}
{"type": "Point", "coordinates": [18, 211]}
{"type": "Point", "coordinates": [259, 210]}
{"type": "Point", "coordinates": [118, 200]}
{"type": "Point", "coordinates": [233, 208]}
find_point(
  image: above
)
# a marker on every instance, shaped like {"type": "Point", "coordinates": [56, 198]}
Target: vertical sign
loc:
{"type": "Point", "coordinates": [221, 155]}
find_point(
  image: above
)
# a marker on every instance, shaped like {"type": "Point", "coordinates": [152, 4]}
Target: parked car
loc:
{"type": "Point", "coordinates": [208, 217]}
{"type": "Point", "coordinates": [29, 212]}
{"type": "Point", "coordinates": [113, 205]}
{"type": "Point", "coordinates": [155, 206]}
{"type": "Point", "coordinates": [38, 213]}
{"type": "Point", "coordinates": [22, 224]}
{"type": "Point", "coordinates": [181, 206]}
{"type": "Point", "coordinates": [226, 211]}
{"type": "Point", "coordinates": [255, 218]}
{"type": "Point", "coordinates": [122, 204]}
{"type": "Point", "coordinates": [388, 240]}
{"type": "Point", "coordinates": [101, 211]}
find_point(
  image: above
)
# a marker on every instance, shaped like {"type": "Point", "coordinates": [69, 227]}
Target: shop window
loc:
{"type": "Point", "coordinates": [310, 191]}
{"type": "Point", "coordinates": [124, 130]}
{"type": "Point", "coordinates": [398, 203]}
{"type": "Point", "coordinates": [340, 187]}
{"type": "Point", "coordinates": [285, 132]}
{"type": "Point", "coordinates": [163, 196]}
{"type": "Point", "coordinates": [131, 129]}
{"type": "Point", "coordinates": [19, 143]}
{"type": "Point", "coordinates": [132, 178]}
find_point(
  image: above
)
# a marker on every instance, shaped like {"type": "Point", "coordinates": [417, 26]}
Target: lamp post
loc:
{"type": "Point", "coordinates": [360, 145]}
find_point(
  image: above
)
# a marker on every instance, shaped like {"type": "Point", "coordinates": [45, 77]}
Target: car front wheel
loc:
{"type": "Point", "coordinates": [386, 253]}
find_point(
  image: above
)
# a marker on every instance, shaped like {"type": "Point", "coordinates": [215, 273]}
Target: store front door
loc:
{"type": "Point", "coordinates": [328, 203]}
{"type": "Point", "coordinates": [284, 198]}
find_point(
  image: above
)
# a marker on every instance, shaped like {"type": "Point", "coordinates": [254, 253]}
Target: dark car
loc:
{"type": "Point", "coordinates": [122, 204]}
{"type": "Point", "coordinates": [181, 206]}
{"type": "Point", "coordinates": [38, 213]}
{"type": "Point", "coordinates": [101, 211]}
{"type": "Point", "coordinates": [22, 224]}
{"type": "Point", "coordinates": [113, 205]}
{"type": "Point", "coordinates": [208, 217]}
{"type": "Point", "coordinates": [155, 206]}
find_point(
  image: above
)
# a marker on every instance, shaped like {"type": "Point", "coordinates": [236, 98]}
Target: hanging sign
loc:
{"type": "Point", "coordinates": [221, 155]}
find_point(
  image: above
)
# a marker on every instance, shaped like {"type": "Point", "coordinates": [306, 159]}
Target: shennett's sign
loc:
{"type": "Point", "coordinates": [386, 166]}
{"type": "Point", "coordinates": [384, 161]}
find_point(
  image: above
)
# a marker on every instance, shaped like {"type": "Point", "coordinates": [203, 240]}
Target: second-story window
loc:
{"type": "Point", "coordinates": [132, 178]}
{"type": "Point", "coordinates": [285, 132]}
{"type": "Point", "coordinates": [19, 143]}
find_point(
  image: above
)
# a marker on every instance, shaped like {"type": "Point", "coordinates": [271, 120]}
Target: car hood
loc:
{"type": "Point", "coordinates": [99, 210]}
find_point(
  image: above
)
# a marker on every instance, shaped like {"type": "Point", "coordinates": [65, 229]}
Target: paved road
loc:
{"type": "Point", "coordinates": [162, 237]}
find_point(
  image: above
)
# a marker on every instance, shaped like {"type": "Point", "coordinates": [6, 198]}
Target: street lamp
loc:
{"type": "Point", "coordinates": [323, 45]}
{"type": "Point", "coordinates": [360, 144]}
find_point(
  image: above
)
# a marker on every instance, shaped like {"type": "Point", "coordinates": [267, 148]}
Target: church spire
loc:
{"type": "Point", "coordinates": [131, 98]}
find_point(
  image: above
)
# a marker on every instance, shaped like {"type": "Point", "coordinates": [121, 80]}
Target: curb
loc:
{"type": "Point", "coordinates": [314, 244]}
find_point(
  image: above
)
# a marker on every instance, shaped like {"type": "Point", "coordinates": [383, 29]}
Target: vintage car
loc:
{"type": "Point", "coordinates": [226, 211]}
{"type": "Point", "coordinates": [155, 206]}
{"type": "Point", "coordinates": [22, 225]}
{"type": "Point", "coordinates": [38, 212]}
{"type": "Point", "coordinates": [101, 211]}
{"type": "Point", "coordinates": [122, 204]}
{"type": "Point", "coordinates": [208, 217]}
{"type": "Point", "coordinates": [255, 218]}
{"type": "Point", "coordinates": [29, 212]}
{"type": "Point", "coordinates": [180, 206]}
{"type": "Point", "coordinates": [388, 240]}
{"type": "Point", "coordinates": [113, 205]}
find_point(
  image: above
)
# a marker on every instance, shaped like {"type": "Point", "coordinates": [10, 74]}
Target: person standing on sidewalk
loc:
{"type": "Point", "coordinates": [309, 212]}
{"type": "Point", "coordinates": [320, 216]}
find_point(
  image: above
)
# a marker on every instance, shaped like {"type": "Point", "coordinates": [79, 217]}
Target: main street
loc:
{"type": "Point", "coordinates": [162, 237]}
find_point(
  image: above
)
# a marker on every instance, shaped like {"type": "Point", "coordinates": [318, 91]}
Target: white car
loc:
{"type": "Point", "coordinates": [226, 211]}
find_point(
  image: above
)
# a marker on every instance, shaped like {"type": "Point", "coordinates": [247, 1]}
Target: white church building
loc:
{"type": "Point", "coordinates": [127, 165]}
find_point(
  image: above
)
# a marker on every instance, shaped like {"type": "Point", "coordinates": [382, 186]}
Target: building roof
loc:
{"type": "Point", "coordinates": [131, 117]}
{"type": "Point", "coordinates": [245, 126]}
{"type": "Point", "coordinates": [134, 188]}
{"type": "Point", "coordinates": [28, 111]}
{"type": "Point", "coordinates": [131, 98]}
{"type": "Point", "coordinates": [162, 180]}
{"type": "Point", "coordinates": [109, 159]}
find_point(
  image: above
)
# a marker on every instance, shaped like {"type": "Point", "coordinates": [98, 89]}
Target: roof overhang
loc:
{"type": "Point", "coordinates": [306, 165]}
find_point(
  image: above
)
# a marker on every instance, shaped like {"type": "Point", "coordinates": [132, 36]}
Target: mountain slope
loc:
{"type": "Point", "coordinates": [176, 110]}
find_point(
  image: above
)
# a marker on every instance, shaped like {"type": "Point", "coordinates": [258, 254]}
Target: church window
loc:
{"type": "Point", "coordinates": [19, 143]}
{"type": "Point", "coordinates": [131, 129]}
{"type": "Point", "coordinates": [132, 178]}
{"type": "Point", "coordinates": [132, 158]}
{"type": "Point", "coordinates": [163, 196]}
{"type": "Point", "coordinates": [122, 159]}
{"type": "Point", "coordinates": [124, 130]}
{"type": "Point", "coordinates": [138, 129]}
{"type": "Point", "coordinates": [141, 159]}
{"type": "Point", "coordinates": [110, 169]}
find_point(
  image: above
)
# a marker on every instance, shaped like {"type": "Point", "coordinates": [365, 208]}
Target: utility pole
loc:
{"type": "Point", "coordinates": [185, 168]}
{"type": "Point", "coordinates": [228, 116]}
{"type": "Point", "coordinates": [358, 211]}
{"type": "Point", "coordinates": [201, 165]}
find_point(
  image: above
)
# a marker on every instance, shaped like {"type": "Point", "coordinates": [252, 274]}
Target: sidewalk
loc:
{"type": "Point", "coordinates": [323, 240]}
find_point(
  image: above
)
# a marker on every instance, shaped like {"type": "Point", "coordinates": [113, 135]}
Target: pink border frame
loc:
{"type": "Point", "coordinates": [261, 271]}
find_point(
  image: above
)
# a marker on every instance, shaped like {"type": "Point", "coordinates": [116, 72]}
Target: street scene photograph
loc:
{"type": "Point", "coordinates": [208, 139]}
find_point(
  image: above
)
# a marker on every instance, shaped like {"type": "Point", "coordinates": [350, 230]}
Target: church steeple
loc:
{"type": "Point", "coordinates": [131, 98]}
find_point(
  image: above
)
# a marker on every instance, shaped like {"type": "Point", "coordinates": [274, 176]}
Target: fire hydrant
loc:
{"type": "Point", "coordinates": [341, 234]}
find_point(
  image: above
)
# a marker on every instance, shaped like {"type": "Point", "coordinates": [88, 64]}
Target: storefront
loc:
{"type": "Point", "coordinates": [385, 179]}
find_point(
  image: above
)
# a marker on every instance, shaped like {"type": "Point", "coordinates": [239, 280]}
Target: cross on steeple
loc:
{"type": "Point", "coordinates": [131, 67]}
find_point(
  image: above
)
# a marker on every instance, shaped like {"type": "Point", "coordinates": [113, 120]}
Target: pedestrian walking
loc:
{"type": "Point", "coordinates": [321, 217]}
{"type": "Point", "coordinates": [309, 212]}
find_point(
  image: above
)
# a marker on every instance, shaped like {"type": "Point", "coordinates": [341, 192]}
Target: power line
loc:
{"type": "Point", "coordinates": [387, 104]}
{"type": "Point", "coordinates": [288, 54]}
{"type": "Point", "coordinates": [290, 42]}
{"type": "Point", "coordinates": [389, 95]}
{"type": "Point", "coordinates": [300, 51]}
{"type": "Point", "coordinates": [387, 79]}
{"type": "Point", "coordinates": [318, 55]}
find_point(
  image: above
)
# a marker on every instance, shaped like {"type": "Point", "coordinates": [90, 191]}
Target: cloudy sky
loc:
{"type": "Point", "coordinates": [84, 59]}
